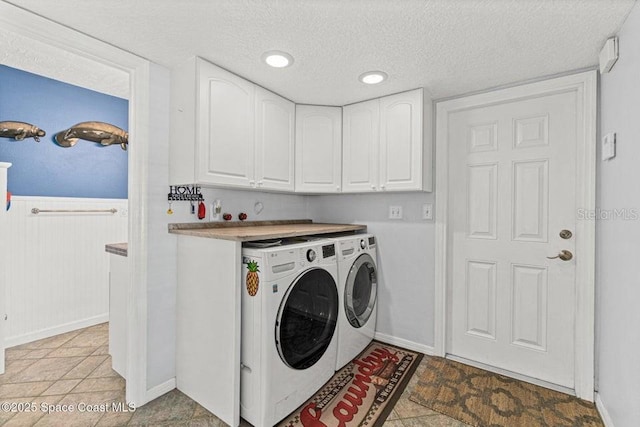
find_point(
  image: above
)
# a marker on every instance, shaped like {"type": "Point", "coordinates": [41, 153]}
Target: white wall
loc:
{"type": "Point", "coordinates": [275, 206]}
{"type": "Point", "coordinates": [618, 240]}
{"type": "Point", "coordinates": [405, 253]}
{"type": "Point", "coordinates": [161, 259]}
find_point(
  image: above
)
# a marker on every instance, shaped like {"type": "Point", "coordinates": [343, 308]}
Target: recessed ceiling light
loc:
{"type": "Point", "coordinates": [277, 59]}
{"type": "Point", "coordinates": [373, 77]}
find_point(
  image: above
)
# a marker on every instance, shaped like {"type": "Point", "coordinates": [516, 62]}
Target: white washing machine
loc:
{"type": "Point", "coordinates": [289, 326]}
{"type": "Point", "coordinates": [358, 292]}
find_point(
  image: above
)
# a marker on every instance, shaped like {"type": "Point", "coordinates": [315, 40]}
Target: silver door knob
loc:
{"type": "Point", "coordinates": [564, 255]}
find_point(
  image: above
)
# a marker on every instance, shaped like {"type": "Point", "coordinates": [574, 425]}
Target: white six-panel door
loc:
{"type": "Point", "coordinates": [512, 173]}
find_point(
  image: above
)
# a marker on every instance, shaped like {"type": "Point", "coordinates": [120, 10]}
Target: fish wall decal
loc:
{"type": "Point", "coordinates": [20, 130]}
{"type": "Point", "coordinates": [103, 133]}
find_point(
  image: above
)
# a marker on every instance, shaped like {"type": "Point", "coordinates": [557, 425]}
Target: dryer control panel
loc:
{"type": "Point", "coordinates": [328, 251]}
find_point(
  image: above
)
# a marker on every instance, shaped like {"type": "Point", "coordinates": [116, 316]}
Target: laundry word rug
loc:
{"type": "Point", "coordinates": [481, 398]}
{"type": "Point", "coordinates": [362, 393]}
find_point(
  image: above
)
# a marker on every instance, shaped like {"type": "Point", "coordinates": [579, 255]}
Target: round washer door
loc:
{"type": "Point", "coordinates": [361, 291]}
{"type": "Point", "coordinates": [307, 319]}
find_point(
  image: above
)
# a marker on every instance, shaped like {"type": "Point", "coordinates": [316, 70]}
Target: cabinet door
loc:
{"type": "Point", "coordinates": [401, 148]}
{"type": "Point", "coordinates": [225, 142]}
{"type": "Point", "coordinates": [275, 118]}
{"type": "Point", "coordinates": [360, 142]}
{"type": "Point", "coordinates": [318, 149]}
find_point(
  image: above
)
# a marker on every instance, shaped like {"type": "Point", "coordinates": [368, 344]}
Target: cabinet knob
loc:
{"type": "Point", "coordinates": [373, 187]}
{"type": "Point", "coordinates": [260, 183]}
{"type": "Point", "coordinates": [252, 183]}
{"type": "Point", "coordinates": [382, 186]}
{"type": "Point", "coordinates": [337, 187]}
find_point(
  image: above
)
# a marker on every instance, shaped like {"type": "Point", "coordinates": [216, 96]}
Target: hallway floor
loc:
{"type": "Point", "coordinates": [74, 369]}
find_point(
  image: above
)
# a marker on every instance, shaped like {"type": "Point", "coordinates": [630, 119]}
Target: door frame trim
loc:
{"type": "Point", "coordinates": [584, 84]}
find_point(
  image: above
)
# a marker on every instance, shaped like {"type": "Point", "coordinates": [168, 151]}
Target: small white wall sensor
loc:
{"type": "Point", "coordinates": [608, 55]}
{"type": "Point", "coordinates": [609, 146]}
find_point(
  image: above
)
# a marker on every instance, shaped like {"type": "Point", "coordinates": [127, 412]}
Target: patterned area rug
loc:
{"type": "Point", "coordinates": [484, 399]}
{"type": "Point", "coordinates": [362, 393]}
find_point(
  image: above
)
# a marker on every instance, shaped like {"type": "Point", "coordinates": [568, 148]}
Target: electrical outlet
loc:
{"type": "Point", "coordinates": [395, 212]}
{"type": "Point", "coordinates": [427, 211]}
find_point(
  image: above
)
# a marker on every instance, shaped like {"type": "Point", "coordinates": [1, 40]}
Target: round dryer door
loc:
{"type": "Point", "coordinates": [361, 291]}
{"type": "Point", "coordinates": [307, 319]}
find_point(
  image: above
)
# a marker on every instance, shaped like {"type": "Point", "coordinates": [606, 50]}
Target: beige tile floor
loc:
{"type": "Point", "coordinates": [74, 370]}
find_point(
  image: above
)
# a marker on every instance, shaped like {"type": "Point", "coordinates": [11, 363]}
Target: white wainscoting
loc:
{"type": "Point", "coordinates": [58, 271]}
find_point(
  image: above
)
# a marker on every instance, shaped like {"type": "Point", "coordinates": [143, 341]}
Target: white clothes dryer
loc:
{"type": "Point", "coordinates": [358, 292]}
{"type": "Point", "coordinates": [289, 320]}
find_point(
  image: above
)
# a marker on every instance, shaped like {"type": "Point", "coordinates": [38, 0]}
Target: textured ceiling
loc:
{"type": "Point", "coordinates": [450, 47]}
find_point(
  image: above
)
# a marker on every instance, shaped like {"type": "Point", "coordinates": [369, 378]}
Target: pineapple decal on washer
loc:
{"type": "Point", "coordinates": [253, 280]}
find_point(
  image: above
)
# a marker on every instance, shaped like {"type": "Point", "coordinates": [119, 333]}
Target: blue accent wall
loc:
{"type": "Point", "coordinates": [43, 168]}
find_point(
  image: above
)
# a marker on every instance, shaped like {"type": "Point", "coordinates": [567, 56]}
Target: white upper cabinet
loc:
{"type": "Point", "coordinates": [401, 142]}
{"type": "Point", "coordinates": [227, 131]}
{"type": "Point", "coordinates": [318, 149]}
{"type": "Point", "coordinates": [275, 121]}
{"type": "Point", "coordinates": [360, 146]}
{"type": "Point", "coordinates": [225, 137]}
{"type": "Point", "coordinates": [387, 144]}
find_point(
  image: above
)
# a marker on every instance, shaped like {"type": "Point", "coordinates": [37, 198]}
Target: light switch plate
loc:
{"type": "Point", "coordinates": [609, 146]}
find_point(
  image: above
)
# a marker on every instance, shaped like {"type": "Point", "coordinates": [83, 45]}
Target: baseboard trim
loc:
{"type": "Point", "coordinates": [401, 342]}
{"type": "Point", "coordinates": [160, 389]}
{"type": "Point", "coordinates": [604, 414]}
{"type": "Point", "coordinates": [55, 330]}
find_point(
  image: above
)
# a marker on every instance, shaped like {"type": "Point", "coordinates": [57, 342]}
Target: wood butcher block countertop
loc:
{"type": "Point", "coordinates": [247, 231]}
